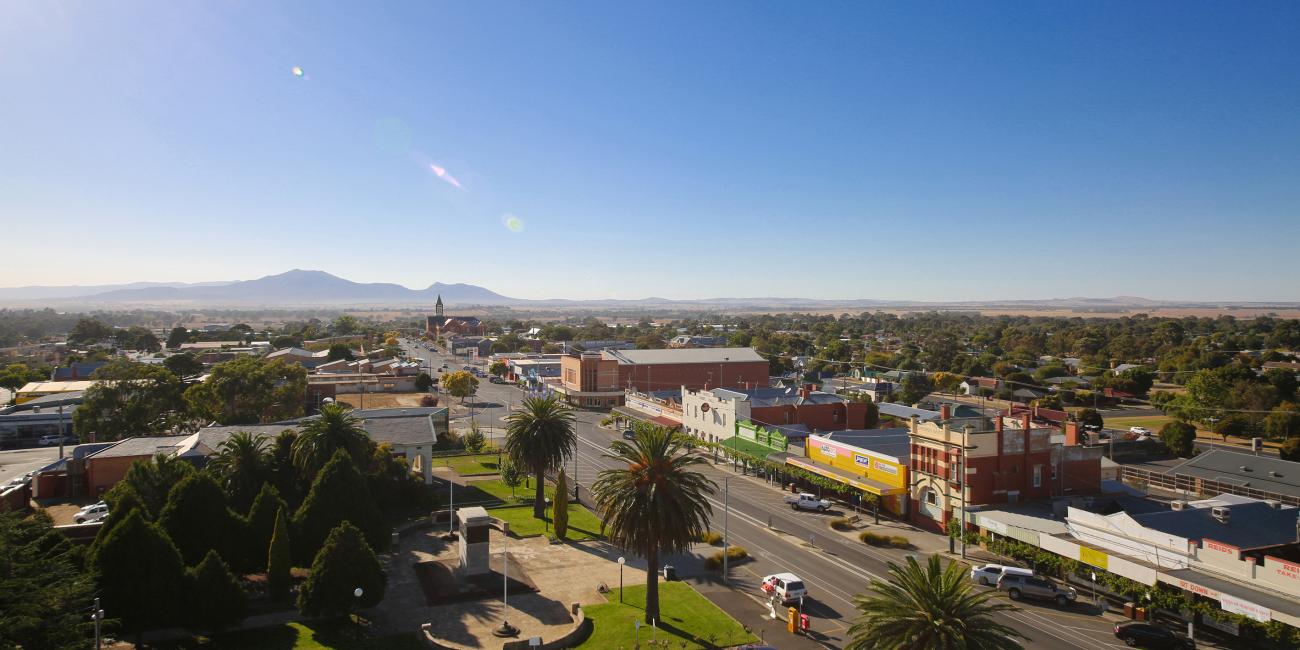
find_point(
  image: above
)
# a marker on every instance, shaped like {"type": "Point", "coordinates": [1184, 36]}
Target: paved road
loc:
{"type": "Point", "coordinates": [834, 568]}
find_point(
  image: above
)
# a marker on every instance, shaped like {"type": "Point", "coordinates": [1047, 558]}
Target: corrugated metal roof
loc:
{"type": "Point", "coordinates": [683, 355]}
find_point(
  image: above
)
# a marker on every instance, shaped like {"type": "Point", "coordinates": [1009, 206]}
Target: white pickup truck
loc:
{"type": "Point", "coordinates": [806, 501]}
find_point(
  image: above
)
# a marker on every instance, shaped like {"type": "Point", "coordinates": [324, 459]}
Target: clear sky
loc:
{"type": "Point", "coordinates": [892, 150]}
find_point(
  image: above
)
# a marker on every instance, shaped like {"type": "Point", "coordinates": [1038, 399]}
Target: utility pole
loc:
{"type": "Point", "coordinates": [726, 519]}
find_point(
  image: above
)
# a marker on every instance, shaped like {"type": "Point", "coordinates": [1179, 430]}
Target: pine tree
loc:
{"type": "Point", "coordinates": [43, 586]}
{"type": "Point", "coordinates": [197, 520]}
{"type": "Point", "coordinates": [261, 524]}
{"type": "Point", "coordinates": [338, 495]}
{"type": "Point", "coordinates": [278, 558]}
{"type": "Point", "coordinates": [560, 516]}
{"type": "Point", "coordinates": [140, 574]}
{"type": "Point", "coordinates": [345, 563]}
{"type": "Point", "coordinates": [217, 600]}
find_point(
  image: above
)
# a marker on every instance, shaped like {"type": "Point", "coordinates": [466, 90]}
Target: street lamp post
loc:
{"type": "Point", "coordinates": [621, 561]}
{"type": "Point", "coordinates": [357, 594]}
{"type": "Point", "coordinates": [726, 519]}
{"type": "Point", "coordinates": [97, 616]}
{"type": "Point", "coordinates": [506, 629]}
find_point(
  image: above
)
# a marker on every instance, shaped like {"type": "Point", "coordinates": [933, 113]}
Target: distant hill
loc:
{"type": "Point", "coordinates": [296, 287]}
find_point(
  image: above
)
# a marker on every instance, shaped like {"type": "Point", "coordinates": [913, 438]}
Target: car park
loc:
{"type": "Point", "coordinates": [788, 587]}
{"type": "Point", "coordinates": [988, 574]}
{"type": "Point", "coordinates": [1146, 635]}
{"type": "Point", "coordinates": [1020, 586]}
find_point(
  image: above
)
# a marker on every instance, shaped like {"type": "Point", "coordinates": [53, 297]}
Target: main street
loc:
{"type": "Point", "coordinates": [834, 568]}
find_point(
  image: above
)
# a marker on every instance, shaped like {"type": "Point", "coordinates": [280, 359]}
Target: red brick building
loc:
{"type": "Point", "coordinates": [1011, 461]}
{"type": "Point", "coordinates": [439, 324]}
{"type": "Point", "coordinates": [598, 379]}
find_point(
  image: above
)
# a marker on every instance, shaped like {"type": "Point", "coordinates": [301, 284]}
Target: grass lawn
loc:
{"type": "Point", "coordinates": [748, 447]}
{"type": "Point", "coordinates": [582, 523]}
{"type": "Point", "coordinates": [473, 465]}
{"type": "Point", "coordinates": [1152, 422]}
{"type": "Point", "coordinates": [494, 493]}
{"type": "Point", "coordinates": [689, 620]}
{"type": "Point", "coordinates": [304, 636]}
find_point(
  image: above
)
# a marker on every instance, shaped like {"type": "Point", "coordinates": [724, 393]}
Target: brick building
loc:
{"type": "Point", "coordinates": [1010, 461]}
{"type": "Point", "coordinates": [598, 379]}
{"type": "Point", "coordinates": [440, 324]}
{"type": "Point", "coordinates": [714, 414]}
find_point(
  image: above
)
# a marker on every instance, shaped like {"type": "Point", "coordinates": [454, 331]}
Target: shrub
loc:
{"type": "Point", "coordinates": [217, 599]}
{"type": "Point", "coordinates": [474, 440]}
{"type": "Point", "coordinates": [892, 541]}
{"type": "Point", "coordinates": [428, 400]}
{"type": "Point", "coordinates": [711, 537]}
{"type": "Point", "coordinates": [344, 563]}
{"type": "Point", "coordinates": [841, 523]}
{"type": "Point", "coordinates": [734, 554]}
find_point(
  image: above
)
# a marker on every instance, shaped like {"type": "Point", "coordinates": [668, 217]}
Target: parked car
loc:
{"type": "Point", "coordinates": [1019, 586]}
{"type": "Point", "coordinates": [91, 513]}
{"type": "Point", "coordinates": [49, 441]}
{"type": "Point", "coordinates": [786, 586]}
{"type": "Point", "coordinates": [1146, 635]}
{"type": "Point", "coordinates": [806, 501]}
{"type": "Point", "coordinates": [989, 573]}
{"type": "Point", "coordinates": [496, 380]}
{"type": "Point", "coordinates": [1139, 431]}
{"type": "Point", "coordinates": [629, 434]}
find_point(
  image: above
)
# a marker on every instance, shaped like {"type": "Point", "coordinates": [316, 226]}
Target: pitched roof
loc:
{"type": "Point", "coordinates": [893, 442]}
{"type": "Point", "coordinates": [682, 355]}
{"type": "Point", "coordinates": [1248, 470]}
{"type": "Point", "coordinates": [144, 446]}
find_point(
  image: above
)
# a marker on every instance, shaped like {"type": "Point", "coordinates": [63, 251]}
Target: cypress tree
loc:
{"type": "Point", "coordinates": [261, 524]}
{"type": "Point", "coordinates": [339, 494]}
{"type": "Point", "coordinates": [217, 600]}
{"type": "Point", "coordinates": [140, 574]}
{"type": "Point", "coordinates": [344, 563]}
{"type": "Point", "coordinates": [278, 559]}
{"type": "Point", "coordinates": [197, 519]}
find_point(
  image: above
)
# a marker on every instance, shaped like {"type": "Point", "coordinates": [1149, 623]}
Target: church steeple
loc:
{"type": "Point", "coordinates": [437, 307]}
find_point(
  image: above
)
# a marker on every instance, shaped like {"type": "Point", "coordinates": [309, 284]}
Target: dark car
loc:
{"type": "Point", "coordinates": [1146, 635]}
{"type": "Point", "coordinates": [629, 434]}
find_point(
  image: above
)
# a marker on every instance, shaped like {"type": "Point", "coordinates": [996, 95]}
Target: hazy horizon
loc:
{"type": "Point", "coordinates": [583, 150]}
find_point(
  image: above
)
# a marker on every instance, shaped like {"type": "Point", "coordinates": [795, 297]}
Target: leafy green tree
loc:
{"type": "Point", "coordinates": [913, 388]}
{"type": "Point", "coordinates": [241, 466]}
{"type": "Point", "coordinates": [261, 524]}
{"type": "Point", "coordinates": [153, 480]}
{"type": "Point", "coordinates": [279, 558]}
{"type": "Point", "coordinates": [130, 399]}
{"type": "Point", "coordinates": [560, 509]}
{"type": "Point", "coordinates": [498, 368]}
{"type": "Point", "coordinates": [197, 520]}
{"type": "Point", "coordinates": [17, 375]}
{"type": "Point", "coordinates": [345, 325]}
{"type": "Point", "coordinates": [137, 338]}
{"type": "Point", "coordinates": [511, 477]}
{"type": "Point", "coordinates": [1290, 449]}
{"type": "Point", "coordinates": [140, 575]}
{"type": "Point", "coordinates": [657, 505]}
{"type": "Point", "coordinates": [89, 330]}
{"type": "Point", "coordinates": [249, 390]}
{"type": "Point", "coordinates": [176, 337]}
{"type": "Point", "coordinates": [460, 384]}
{"type": "Point", "coordinates": [339, 494]}
{"type": "Point", "coordinates": [217, 600]}
{"type": "Point", "coordinates": [929, 607]}
{"type": "Point", "coordinates": [1283, 422]}
{"type": "Point", "coordinates": [1284, 382]}
{"type": "Point", "coordinates": [43, 589]}
{"type": "Point", "coordinates": [1089, 417]}
{"type": "Point", "coordinates": [183, 365]}
{"type": "Point", "coordinates": [1179, 437]}
{"type": "Point", "coordinates": [334, 429]}
{"type": "Point", "coordinates": [340, 351]}
{"type": "Point", "coordinates": [345, 563]}
{"type": "Point", "coordinates": [1232, 425]}
{"type": "Point", "coordinates": [284, 472]}
{"type": "Point", "coordinates": [423, 382]}
{"type": "Point", "coordinates": [474, 439]}
{"type": "Point", "coordinates": [540, 437]}
{"type": "Point", "coordinates": [389, 478]}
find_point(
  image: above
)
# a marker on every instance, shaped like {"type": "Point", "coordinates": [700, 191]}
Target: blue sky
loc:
{"type": "Point", "coordinates": [944, 151]}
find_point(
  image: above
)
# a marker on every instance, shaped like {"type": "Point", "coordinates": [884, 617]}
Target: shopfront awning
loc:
{"type": "Point", "coordinates": [657, 420]}
{"type": "Point", "coordinates": [848, 478]}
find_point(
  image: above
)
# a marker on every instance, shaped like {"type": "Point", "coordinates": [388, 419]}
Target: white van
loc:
{"type": "Point", "coordinates": [989, 573]}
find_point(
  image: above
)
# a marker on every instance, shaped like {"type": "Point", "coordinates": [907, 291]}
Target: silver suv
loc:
{"type": "Point", "coordinates": [1018, 586]}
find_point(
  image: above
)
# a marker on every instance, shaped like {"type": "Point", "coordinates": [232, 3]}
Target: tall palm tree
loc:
{"type": "Point", "coordinates": [540, 437]}
{"type": "Point", "coordinates": [928, 607]}
{"type": "Point", "coordinates": [657, 505]}
{"type": "Point", "coordinates": [332, 430]}
{"type": "Point", "coordinates": [241, 464]}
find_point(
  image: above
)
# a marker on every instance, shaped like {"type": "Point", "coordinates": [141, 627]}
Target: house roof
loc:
{"type": "Point", "coordinates": [54, 400]}
{"type": "Point", "coordinates": [1248, 470]}
{"type": "Point", "coordinates": [760, 397]}
{"type": "Point", "coordinates": [411, 426]}
{"type": "Point", "coordinates": [290, 352]}
{"type": "Point", "coordinates": [682, 355]}
{"type": "Point", "coordinates": [55, 386]}
{"type": "Point", "coordinates": [1249, 525]}
{"type": "Point", "coordinates": [906, 412]}
{"type": "Point", "coordinates": [143, 446]}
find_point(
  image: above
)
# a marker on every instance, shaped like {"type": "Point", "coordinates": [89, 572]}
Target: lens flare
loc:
{"type": "Point", "coordinates": [513, 223]}
{"type": "Point", "coordinates": [441, 172]}
{"type": "Point", "coordinates": [297, 71]}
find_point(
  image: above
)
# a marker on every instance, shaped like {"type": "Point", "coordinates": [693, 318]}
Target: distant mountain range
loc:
{"type": "Point", "coordinates": [299, 288]}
